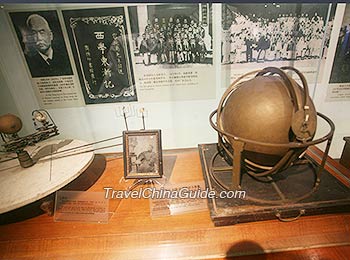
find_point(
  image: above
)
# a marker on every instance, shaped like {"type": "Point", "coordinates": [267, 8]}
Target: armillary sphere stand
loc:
{"type": "Point", "coordinates": [231, 147]}
{"type": "Point", "coordinates": [236, 168]}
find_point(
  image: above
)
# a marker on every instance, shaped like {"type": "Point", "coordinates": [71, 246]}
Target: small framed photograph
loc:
{"type": "Point", "coordinates": [142, 154]}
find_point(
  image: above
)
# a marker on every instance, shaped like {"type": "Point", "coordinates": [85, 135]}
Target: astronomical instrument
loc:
{"type": "Point", "coordinates": [10, 125]}
{"type": "Point", "coordinates": [265, 123]}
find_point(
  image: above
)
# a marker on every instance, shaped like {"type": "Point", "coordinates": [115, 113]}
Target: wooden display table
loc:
{"type": "Point", "coordinates": [132, 234]}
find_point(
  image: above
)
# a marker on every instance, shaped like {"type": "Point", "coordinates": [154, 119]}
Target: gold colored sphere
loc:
{"type": "Point", "coordinates": [10, 124]}
{"type": "Point", "coordinates": [262, 110]}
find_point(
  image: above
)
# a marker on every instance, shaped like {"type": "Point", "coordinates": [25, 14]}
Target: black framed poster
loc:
{"type": "Point", "coordinates": [99, 40]}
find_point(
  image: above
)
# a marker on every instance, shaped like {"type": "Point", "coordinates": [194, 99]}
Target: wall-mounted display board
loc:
{"type": "Point", "coordinates": [339, 82]}
{"type": "Point", "coordinates": [261, 35]}
{"type": "Point", "coordinates": [40, 37]}
{"type": "Point", "coordinates": [173, 51]}
{"type": "Point", "coordinates": [101, 50]}
{"type": "Point", "coordinates": [146, 53]}
{"type": "Point", "coordinates": [172, 60]}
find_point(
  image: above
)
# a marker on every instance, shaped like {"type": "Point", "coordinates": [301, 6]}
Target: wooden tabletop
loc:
{"type": "Point", "coordinates": [133, 234]}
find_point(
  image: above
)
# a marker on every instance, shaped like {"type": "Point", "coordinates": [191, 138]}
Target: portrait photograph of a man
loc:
{"type": "Point", "coordinates": [142, 154]}
{"type": "Point", "coordinates": [40, 36]}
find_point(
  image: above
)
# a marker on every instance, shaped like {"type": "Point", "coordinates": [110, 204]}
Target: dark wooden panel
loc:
{"type": "Point", "coordinates": [332, 195]}
{"type": "Point", "coordinates": [345, 156]}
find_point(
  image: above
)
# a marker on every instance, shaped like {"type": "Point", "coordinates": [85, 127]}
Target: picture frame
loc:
{"type": "Point", "coordinates": [142, 152]}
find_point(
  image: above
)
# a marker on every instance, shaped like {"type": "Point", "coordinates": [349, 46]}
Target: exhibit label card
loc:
{"type": "Point", "coordinates": [181, 198]}
{"type": "Point", "coordinates": [81, 206]}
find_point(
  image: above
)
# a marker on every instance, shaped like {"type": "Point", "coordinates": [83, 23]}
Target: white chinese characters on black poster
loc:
{"type": "Point", "coordinates": [101, 51]}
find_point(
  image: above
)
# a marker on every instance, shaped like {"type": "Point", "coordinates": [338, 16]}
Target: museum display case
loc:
{"type": "Point", "coordinates": [158, 131]}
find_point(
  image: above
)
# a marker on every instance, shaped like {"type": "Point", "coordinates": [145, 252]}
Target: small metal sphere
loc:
{"type": "Point", "coordinates": [10, 124]}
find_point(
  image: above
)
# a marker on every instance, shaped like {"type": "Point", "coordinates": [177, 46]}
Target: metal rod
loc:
{"type": "Point", "coordinates": [51, 162]}
{"type": "Point", "coordinates": [85, 145]}
{"type": "Point", "coordinates": [221, 132]}
{"type": "Point", "coordinates": [277, 189]}
{"type": "Point", "coordinates": [126, 123]}
{"type": "Point", "coordinates": [80, 152]}
{"type": "Point", "coordinates": [212, 175]}
{"type": "Point", "coordinates": [9, 159]}
{"type": "Point", "coordinates": [143, 118]}
{"type": "Point", "coordinates": [73, 148]}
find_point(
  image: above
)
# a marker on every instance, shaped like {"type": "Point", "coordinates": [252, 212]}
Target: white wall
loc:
{"type": "Point", "coordinates": [16, 85]}
{"type": "Point", "coordinates": [183, 123]}
{"type": "Point", "coordinates": [6, 99]}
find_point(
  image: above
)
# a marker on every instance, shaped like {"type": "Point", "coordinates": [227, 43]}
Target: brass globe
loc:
{"type": "Point", "coordinates": [10, 124]}
{"type": "Point", "coordinates": [262, 109]}
{"type": "Point", "coordinates": [271, 114]}
{"type": "Point", "coordinates": [265, 123]}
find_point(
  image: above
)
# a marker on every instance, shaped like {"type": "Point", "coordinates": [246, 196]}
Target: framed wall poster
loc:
{"type": "Point", "coordinates": [341, 65]}
{"type": "Point", "coordinates": [339, 81]}
{"type": "Point", "coordinates": [142, 154]}
{"type": "Point", "coordinates": [40, 36]}
{"type": "Point", "coordinates": [173, 51]}
{"type": "Point", "coordinates": [42, 43]}
{"type": "Point", "coordinates": [102, 54]}
{"type": "Point", "coordinates": [262, 35]}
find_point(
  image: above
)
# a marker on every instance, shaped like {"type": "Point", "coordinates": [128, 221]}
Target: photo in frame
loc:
{"type": "Point", "coordinates": [142, 154]}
